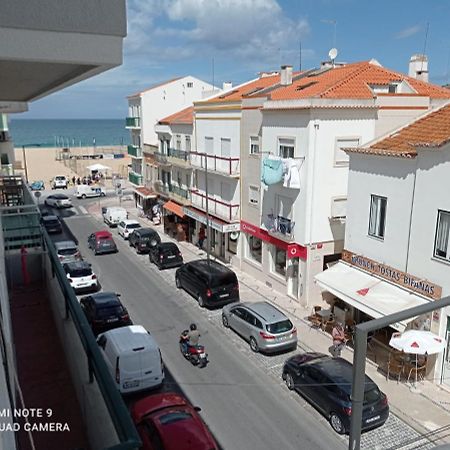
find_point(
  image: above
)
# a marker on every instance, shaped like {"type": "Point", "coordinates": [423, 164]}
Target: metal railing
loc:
{"type": "Point", "coordinates": [280, 224]}
{"type": "Point", "coordinates": [134, 178]}
{"type": "Point", "coordinates": [219, 208]}
{"type": "Point", "coordinates": [132, 122]}
{"type": "Point", "coordinates": [179, 154]}
{"type": "Point", "coordinates": [169, 189]}
{"type": "Point", "coordinates": [222, 164]}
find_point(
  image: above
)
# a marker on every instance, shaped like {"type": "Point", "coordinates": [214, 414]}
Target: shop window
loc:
{"type": "Point", "coordinates": [377, 220]}
{"type": "Point", "coordinates": [441, 247]}
{"type": "Point", "coordinates": [233, 239]}
{"type": "Point", "coordinates": [279, 261]}
{"type": "Point", "coordinates": [254, 249]}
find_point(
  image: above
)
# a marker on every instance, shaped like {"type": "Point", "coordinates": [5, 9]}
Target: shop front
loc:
{"type": "Point", "coordinates": [176, 223]}
{"type": "Point", "coordinates": [145, 199]}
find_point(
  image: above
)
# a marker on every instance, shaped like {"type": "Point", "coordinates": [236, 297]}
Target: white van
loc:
{"type": "Point", "coordinates": [114, 214]}
{"type": "Point", "coordinates": [59, 182]}
{"type": "Point", "coordinates": [85, 191]}
{"type": "Point", "coordinates": [133, 358]}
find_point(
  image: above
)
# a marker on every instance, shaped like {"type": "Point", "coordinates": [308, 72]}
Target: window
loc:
{"type": "Point", "coordinates": [178, 142]}
{"type": "Point", "coordinates": [209, 145]}
{"type": "Point", "coordinates": [188, 143]}
{"type": "Point", "coordinates": [279, 261]}
{"type": "Point", "coordinates": [377, 219]}
{"type": "Point", "coordinates": [225, 147]}
{"type": "Point", "coordinates": [286, 148]}
{"type": "Point", "coordinates": [254, 145]}
{"type": "Point", "coordinates": [340, 157]}
{"type": "Point", "coordinates": [190, 84]}
{"type": "Point", "coordinates": [253, 195]}
{"type": "Point", "coordinates": [441, 248]}
{"type": "Point", "coordinates": [254, 248]}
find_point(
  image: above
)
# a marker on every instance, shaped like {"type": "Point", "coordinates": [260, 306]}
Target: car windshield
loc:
{"type": "Point", "coordinates": [77, 273]}
{"type": "Point", "coordinates": [67, 251]}
{"type": "Point", "coordinates": [279, 327]}
{"type": "Point", "coordinates": [372, 395]}
{"type": "Point", "coordinates": [174, 416]}
{"type": "Point", "coordinates": [108, 311]}
{"type": "Point", "coordinates": [60, 178]}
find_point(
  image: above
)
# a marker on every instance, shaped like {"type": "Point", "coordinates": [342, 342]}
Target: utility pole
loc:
{"type": "Point", "coordinates": [24, 156]}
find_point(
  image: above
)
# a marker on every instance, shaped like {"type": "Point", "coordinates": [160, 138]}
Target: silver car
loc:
{"type": "Point", "coordinates": [265, 327]}
{"type": "Point", "coordinates": [67, 252]}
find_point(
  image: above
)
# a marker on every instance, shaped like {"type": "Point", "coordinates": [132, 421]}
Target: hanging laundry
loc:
{"type": "Point", "coordinates": [272, 171]}
{"type": "Point", "coordinates": [291, 173]}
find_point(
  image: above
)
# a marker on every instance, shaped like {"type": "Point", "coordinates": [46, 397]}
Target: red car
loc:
{"type": "Point", "coordinates": [102, 242]}
{"type": "Point", "coordinates": [168, 422]}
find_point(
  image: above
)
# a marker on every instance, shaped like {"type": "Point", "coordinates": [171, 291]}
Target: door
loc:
{"type": "Point", "coordinates": [445, 376]}
{"type": "Point", "coordinates": [293, 280]}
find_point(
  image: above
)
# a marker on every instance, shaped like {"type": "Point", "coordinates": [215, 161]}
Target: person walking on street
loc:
{"type": "Point", "coordinates": [201, 237]}
{"type": "Point", "coordinates": [339, 340]}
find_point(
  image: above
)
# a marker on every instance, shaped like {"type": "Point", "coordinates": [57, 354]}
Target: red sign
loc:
{"type": "Point", "coordinates": [292, 250]}
{"type": "Point", "coordinates": [363, 291]}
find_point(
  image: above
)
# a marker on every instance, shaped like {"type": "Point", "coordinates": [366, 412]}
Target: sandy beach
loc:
{"type": "Point", "coordinates": [45, 163]}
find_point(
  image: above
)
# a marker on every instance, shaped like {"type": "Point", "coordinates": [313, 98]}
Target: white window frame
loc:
{"type": "Point", "coordinates": [253, 195]}
{"type": "Point", "coordinates": [286, 143]}
{"type": "Point", "coordinates": [190, 84]}
{"type": "Point", "coordinates": [377, 220]}
{"type": "Point", "coordinates": [178, 142]}
{"type": "Point", "coordinates": [254, 145]}
{"type": "Point", "coordinates": [341, 159]}
{"type": "Point", "coordinates": [225, 147]}
{"type": "Point", "coordinates": [187, 143]}
{"type": "Point", "coordinates": [442, 237]}
{"type": "Point", "coordinates": [209, 145]}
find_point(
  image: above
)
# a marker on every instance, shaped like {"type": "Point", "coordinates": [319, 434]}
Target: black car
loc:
{"type": "Point", "coordinates": [326, 383]}
{"type": "Point", "coordinates": [211, 283]}
{"type": "Point", "coordinates": [166, 255]}
{"type": "Point", "coordinates": [52, 224]}
{"type": "Point", "coordinates": [104, 311]}
{"type": "Point", "coordinates": [143, 239]}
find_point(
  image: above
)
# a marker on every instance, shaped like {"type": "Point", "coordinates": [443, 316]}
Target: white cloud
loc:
{"type": "Point", "coordinates": [408, 32]}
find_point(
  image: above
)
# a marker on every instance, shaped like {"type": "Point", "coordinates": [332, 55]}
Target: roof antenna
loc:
{"type": "Point", "coordinates": [425, 45]}
{"type": "Point", "coordinates": [332, 54]}
{"type": "Point", "coordinates": [300, 57]}
{"type": "Point", "coordinates": [212, 73]}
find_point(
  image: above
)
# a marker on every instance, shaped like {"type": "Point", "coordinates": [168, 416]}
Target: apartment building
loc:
{"type": "Point", "coordinates": [397, 239]}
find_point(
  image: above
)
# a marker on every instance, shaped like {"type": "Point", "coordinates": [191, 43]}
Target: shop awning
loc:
{"type": "Point", "coordinates": [369, 294]}
{"type": "Point", "coordinates": [174, 208]}
{"type": "Point", "coordinates": [214, 222]}
{"type": "Point", "coordinates": [145, 192]}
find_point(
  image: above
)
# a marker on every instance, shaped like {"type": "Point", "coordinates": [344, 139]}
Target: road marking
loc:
{"type": "Point", "coordinates": [82, 209]}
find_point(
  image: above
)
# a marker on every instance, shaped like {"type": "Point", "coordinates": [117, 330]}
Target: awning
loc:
{"type": "Point", "coordinates": [145, 192]}
{"type": "Point", "coordinates": [214, 222]}
{"type": "Point", "coordinates": [369, 294]}
{"type": "Point", "coordinates": [174, 208]}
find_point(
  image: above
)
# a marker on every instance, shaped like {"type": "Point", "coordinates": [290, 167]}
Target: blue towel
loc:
{"type": "Point", "coordinates": [272, 171]}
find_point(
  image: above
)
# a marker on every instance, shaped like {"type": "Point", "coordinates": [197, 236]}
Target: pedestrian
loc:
{"type": "Point", "coordinates": [339, 340]}
{"type": "Point", "coordinates": [78, 181]}
{"type": "Point", "coordinates": [201, 237]}
{"type": "Point", "coordinates": [73, 180]}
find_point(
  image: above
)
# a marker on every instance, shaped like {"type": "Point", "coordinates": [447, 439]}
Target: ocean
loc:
{"type": "Point", "coordinates": [68, 132]}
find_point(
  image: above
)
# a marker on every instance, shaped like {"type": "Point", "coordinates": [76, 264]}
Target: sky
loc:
{"type": "Point", "coordinates": [239, 38]}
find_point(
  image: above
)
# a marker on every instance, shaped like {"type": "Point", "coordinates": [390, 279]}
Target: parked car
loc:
{"type": "Point", "coordinates": [80, 276]}
{"type": "Point", "coordinates": [67, 251]}
{"type": "Point", "coordinates": [133, 358]}
{"type": "Point", "coordinates": [58, 201]}
{"type": "Point", "coordinates": [166, 255]}
{"type": "Point", "coordinates": [143, 239]}
{"type": "Point", "coordinates": [113, 215]}
{"type": "Point", "coordinates": [167, 421]}
{"type": "Point", "coordinates": [60, 182]}
{"type": "Point", "coordinates": [102, 242]}
{"type": "Point", "coordinates": [326, 383]}
{"type": "Point", "coordinates": [261, 324]}
{"type": "Point", "coordinates": [52, 224]}
{"type": "Point", "coordinates": [37, 185]}
{"type": "Point", "coordinates": [127, 226]}
{"type": "Point", "coordinates": [84, 191]}
{"type": "Point", "coordinates": [104, 311]}
{"type": "Point", "coordinates": [212, 284]}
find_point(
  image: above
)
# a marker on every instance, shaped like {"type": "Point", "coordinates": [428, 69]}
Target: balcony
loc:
{"type": "Point", "coordinates": [135, 178]}
{"type": "Point", "coordinates": [134, 151]}
{"type": "Point", "coordinates": [132, 122]}
{"type": "Point", "coordinates": [176, 193]}
{"type": "Point", "coordinates": [218, 208]}
{"type": "Point", "coordinates": [178, 157]}
{"type": "Point", "coordinates": [161, 158]}
{"type": "Point", "coordinates": [280, 227]}
{"type": "Point", "coordinates": [220, 164]}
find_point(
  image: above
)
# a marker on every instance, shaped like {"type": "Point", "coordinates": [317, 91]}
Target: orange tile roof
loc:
{"type": "Point", "coordinates": [185, 116]}
{"type": "Point", "coordinates": [432, 130]}
{"type": "Point", "coordinates": [162, 83]}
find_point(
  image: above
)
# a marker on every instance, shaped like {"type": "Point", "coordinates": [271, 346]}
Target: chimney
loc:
{"type": "Point", "coordinates": [286, 75]}
{"type": "Point", "coordinates": [227, 85]}
{"type": "Point", "coordinates": [418, 67]}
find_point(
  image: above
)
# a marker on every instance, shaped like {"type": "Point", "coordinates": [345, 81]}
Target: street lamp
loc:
{"type": "Point", "coordinates": [24, 156]}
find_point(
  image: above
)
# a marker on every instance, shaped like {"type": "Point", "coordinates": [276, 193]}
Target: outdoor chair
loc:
{"type": "Point", "coordinates": [395, 366]}
{"type": "Point", "coordinates": [314, 319]}
{"type": "Point", "coordinates": [416, 372]}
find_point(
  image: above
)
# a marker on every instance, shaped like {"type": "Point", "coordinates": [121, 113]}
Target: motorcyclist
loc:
{"type": "Point", "coordinates": [191, 337]}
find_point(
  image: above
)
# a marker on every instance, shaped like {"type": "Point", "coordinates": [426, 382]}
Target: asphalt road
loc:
{"type": "Point", "coordinates": [245, 406]}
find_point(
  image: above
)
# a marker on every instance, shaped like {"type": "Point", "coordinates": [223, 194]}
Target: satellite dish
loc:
{"type": "Point", "coordinates": [333, 53]}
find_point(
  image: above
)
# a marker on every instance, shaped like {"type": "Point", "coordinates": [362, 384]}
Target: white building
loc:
{"type": "Point", "coordinates": [146, 108]}
{"type": "Point", "coordinates": [397, 236]}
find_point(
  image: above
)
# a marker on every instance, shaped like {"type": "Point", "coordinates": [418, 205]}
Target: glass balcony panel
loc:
{"type": "Point", "coordinates": [132, 122]}
{"type": "Point", "coordinates": [134, 150]}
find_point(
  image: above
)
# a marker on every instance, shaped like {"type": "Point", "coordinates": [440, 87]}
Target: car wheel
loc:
{"type": "Point", "coordinates": [83, 196]}
{"type": "Point", "coordinates": [225, 321]}
{"type": "Point", "coordinates": [289, 381]}
{"type": "Point", "coordinates": [201, 301]}
{"type": "Point", "coordinates": [102, 194]}
{"type": "Point", "coordinates": [336, 423]}
{"type": "Point", "coordinates": [254, 345]}
{"type": "Point", "coordinates": [95, 252]}
{"type": "Point", "coordinates": [177, 282]}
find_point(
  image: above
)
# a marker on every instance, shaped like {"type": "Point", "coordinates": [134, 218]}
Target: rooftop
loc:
{"type": "Point", "coordinates": [154, 86]}
{"type": "Point", "coordinates": [185, 116]}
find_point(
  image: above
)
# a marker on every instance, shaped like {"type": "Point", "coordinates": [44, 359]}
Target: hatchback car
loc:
{"type": "Point", "coordinates": [211, 283]}
{"type": "Point", "coordinates": [67, 251]}
{"type": "Point", "coordinates": [166, 255]}
{"type": "Point", "coordinates": [58, 201]}
{"type": "Point", "coordinates": [326, 383]}
{"type": "Point", "coordinates": [104, 311]}
{"type": "Point", "coordinates": [102, 242]}
{"type": "Point", "coordinates": [126, 227]}
{"type": "Point", "coordinates": [37, 185]}
{"type": "Point", "coordinates": [167, 421]}
{"type": "Point", "coordinates": [265, 327]}
{"type": "Point", "coordinates": [52, 224]}
{"type": "Point", "coordinates": [60, 182]}
{"type": "Point", "coordinates": [143, 239]}
{"type": "Point", "coordinates": [80, 276]}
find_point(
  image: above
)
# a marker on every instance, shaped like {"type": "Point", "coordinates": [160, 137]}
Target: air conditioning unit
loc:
{"type": "Point", "coordinates": [338, 208]}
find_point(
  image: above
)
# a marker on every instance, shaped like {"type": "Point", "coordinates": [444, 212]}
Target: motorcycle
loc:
{"type": "Point", "coordinates": [195, 353]}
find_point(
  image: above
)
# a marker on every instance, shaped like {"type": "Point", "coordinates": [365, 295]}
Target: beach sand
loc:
{"type": "Point", "coordinates": [43, 163]}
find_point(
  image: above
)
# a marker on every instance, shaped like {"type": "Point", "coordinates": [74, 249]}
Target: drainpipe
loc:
{"type": "Point", "coordinates": [410, 215]}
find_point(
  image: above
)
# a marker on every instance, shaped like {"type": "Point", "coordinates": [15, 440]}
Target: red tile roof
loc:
{"type": "Point", "coordinates": [431, 130]}
{"type": "Point", "coordinates": [162, 83]}
{"type": "Point", "coordinates": [185, 116]}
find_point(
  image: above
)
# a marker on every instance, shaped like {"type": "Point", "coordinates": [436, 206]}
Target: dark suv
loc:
{"type": "Point", "coordinates": [326, 383]}
{"type": "Point", "coordinates": [143, 239]}
{"type": "Point", "coordinates": [166, 255]}
{"type": "Point", "coordinates": [104, 311]}
{"type": "Point", "coordinates": [212, 284]}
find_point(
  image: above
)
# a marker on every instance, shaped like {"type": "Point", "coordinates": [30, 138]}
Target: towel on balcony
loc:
{"type": "Point", "coordinates": [272, 171]}
{"type": "Point", "coordinates": [291, 174]}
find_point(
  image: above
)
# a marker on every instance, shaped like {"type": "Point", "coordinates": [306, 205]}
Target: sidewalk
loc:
{"type": "Point", "coordinates": [427, 412]}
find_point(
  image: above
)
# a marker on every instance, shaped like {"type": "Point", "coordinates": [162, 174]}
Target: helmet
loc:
{"type": "Point", "coordinates": [192, 326]}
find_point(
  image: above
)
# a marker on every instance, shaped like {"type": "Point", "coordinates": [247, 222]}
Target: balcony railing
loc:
{"type": "Point", "coordinates": [132, 122]}
{"type": "Point", "coordinates": [161, 157]}
{"type": "Point", "coordinates": [135, 178]}
{"type": "Point", "coordinates": [179, 154]}
{"type": "Point", "coordinates": [280, 225]}
{"type": "Point", "coordinates": [223, 164]}
{"type": "Point", "coordinates": [216, 207]}
{"type": "Point", "coordinates": [135, 151]}
{"type": "Point", "coordinates": [171, 190]}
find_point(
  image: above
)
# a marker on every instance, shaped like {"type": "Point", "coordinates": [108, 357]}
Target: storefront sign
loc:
{"type": "Point", "coordinates": [402, 279]}
{"type": "Point", "coordinates": [223, 228]}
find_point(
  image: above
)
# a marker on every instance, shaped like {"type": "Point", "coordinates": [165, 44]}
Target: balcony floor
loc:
{"type": "Point", "coordinates": [42, 371]}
